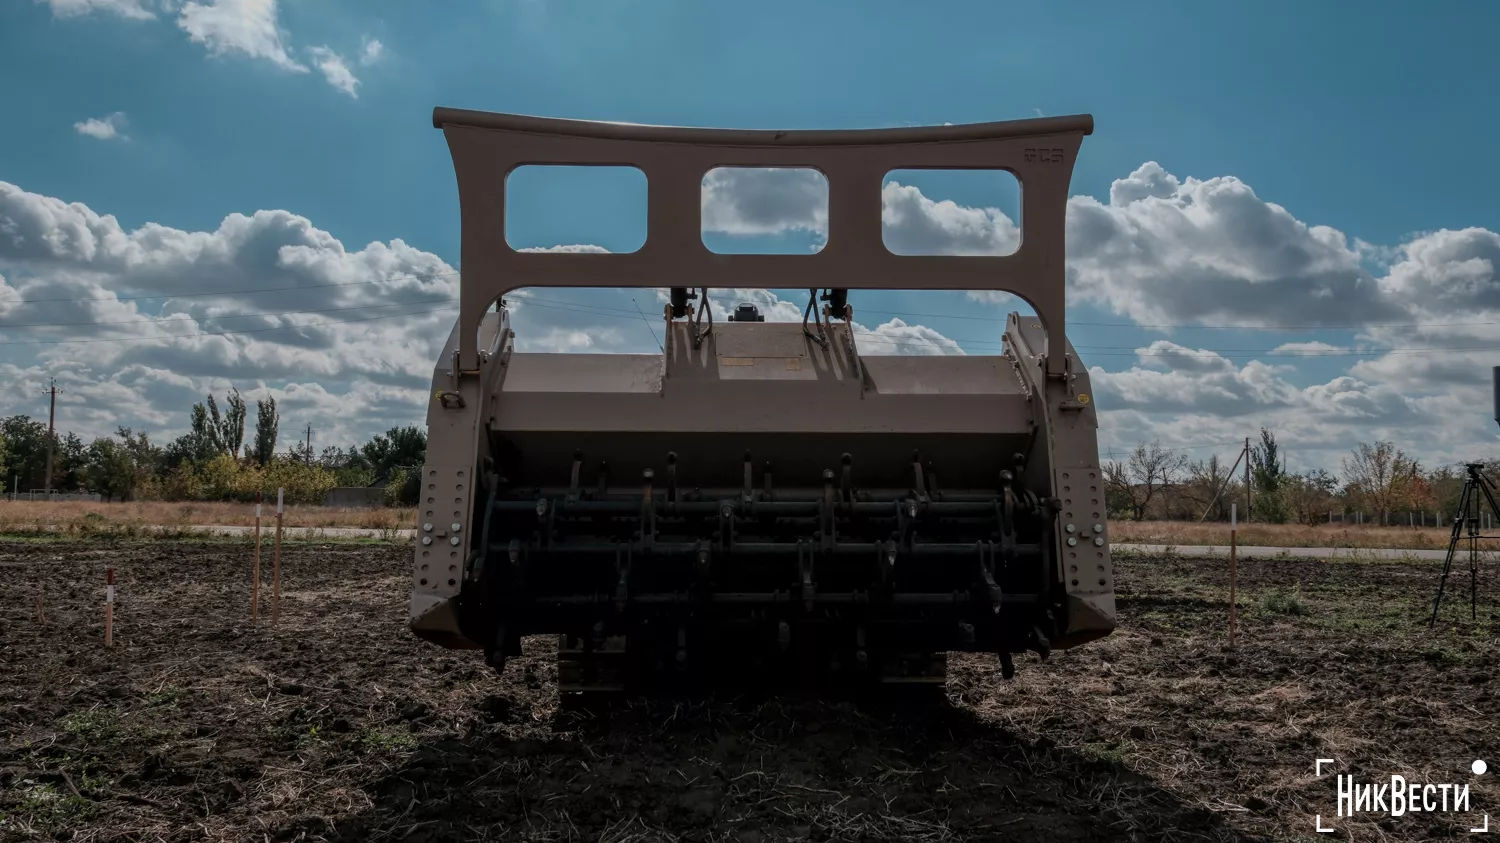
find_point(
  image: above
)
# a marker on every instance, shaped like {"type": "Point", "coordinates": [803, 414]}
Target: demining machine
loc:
{"type": "Point", "coordinates": [762, 498]}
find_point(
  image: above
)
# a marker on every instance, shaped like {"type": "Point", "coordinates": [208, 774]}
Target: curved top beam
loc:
{"type": "Point", "coordinates": [486, 147]}
{"type": "Point", "coordinates": [606, 130]}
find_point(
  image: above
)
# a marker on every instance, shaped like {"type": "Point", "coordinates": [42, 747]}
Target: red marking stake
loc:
{"type": "Point", "coordinates": [255, 569]}
{"type": "Point", "coordinates": [1233, 568]}
{"type": "Point", "coordinates": [276, 563]}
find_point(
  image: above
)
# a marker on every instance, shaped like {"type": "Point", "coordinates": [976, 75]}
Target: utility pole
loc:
{"type": "Point", "coordinates": [51, 434]}
{"type": "Point", "coordinates": [309, 443]}
{"type": "Point", "coordinates": [1249, 493]}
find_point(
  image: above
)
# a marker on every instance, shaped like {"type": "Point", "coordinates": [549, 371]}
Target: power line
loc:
{"type": "Point", "coordinates": [251, 291]}
{"type": "Point", "coordinates": [437, 275]}
{"type": "Point", "coordinates": [228, 333]}
{"type": "Point", "coordinates": [1070, 323]}
{"type": "Point", "coordinates": [1097, 350]}
{"type": "Point", "coordinates": [1184, 326]}
{"type": "Point", "coordinates": [161, 319]}
{"type": "Point", "coordinates": [1129, 351]}
{"type": "Point", "coordinates": [1110, 452]}
{"type": "Point", "coordinates": [601, 310]}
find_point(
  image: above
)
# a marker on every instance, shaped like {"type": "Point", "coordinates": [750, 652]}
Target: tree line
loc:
{"type": "Point", "coordinates": [212, 461]}
{"type": "Point", "coordinates": [1377, 478]}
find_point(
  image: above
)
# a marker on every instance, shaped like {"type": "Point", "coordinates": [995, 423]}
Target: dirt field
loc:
{"type": "Point", "coordinates": [336, 724]}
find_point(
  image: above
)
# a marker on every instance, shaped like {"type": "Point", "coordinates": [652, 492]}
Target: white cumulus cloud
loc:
{"type": "Point", "coordinates": [103, 128]}
{"type": "Point", "coordinates": [250, 27]}
{"type": "Point", "coordinates": [334, 69]}
{"type": "Point", "coordinates": [372, 51]}
{"type": "Point", "coordinates": [130, 9]}
{"type": "Point", "coordinates": [1163, 250]}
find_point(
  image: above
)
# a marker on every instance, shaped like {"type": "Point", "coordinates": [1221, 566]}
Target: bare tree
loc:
{"type": "Point", "coordinates": [1381, 476]}
{"type": "Point", "coordinates": [1148, 470]}
{"type": "Point", "coordinates": [1203, 480]}
{"type": "Point", "coordinates": [1309, 496]}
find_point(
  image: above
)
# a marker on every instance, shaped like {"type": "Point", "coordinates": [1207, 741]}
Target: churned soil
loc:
{"type": "Point", "coordinates": [334, 723]}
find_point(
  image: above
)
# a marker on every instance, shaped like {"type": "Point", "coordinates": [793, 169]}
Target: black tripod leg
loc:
{"type": "Point", "coordinates": [1474, 564]}
{"type": "Point", "coordinates": [1458, 522]}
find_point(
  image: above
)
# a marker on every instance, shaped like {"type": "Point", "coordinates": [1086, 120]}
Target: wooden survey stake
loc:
{"type": "Point", "coordinates": [276, 563]}
{"type": "Point", "coordinates": [109, 607]}
{"type": "Point", "coordinates": [255, 569]}
{"type": "Point", "coordinates": [1233, 569]}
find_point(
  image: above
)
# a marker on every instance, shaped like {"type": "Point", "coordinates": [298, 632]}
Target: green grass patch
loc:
{"type": "Point", "coordinates": [1113, 757]}
{"type": "Point", "coordinates": [1284, 602]}
{"type": "Point", "coordinates": [387, 740]}
{"type": "Point", "coordinates": [168, 697]}
{"type": "Point", "coordinates": [1441, 656]}
{"type": "Point", "coordinates": [101, 727]}
{"type": "Point", "coordinates": [45, 805]}
{"type": "Point", "coordinates": [94, 726]}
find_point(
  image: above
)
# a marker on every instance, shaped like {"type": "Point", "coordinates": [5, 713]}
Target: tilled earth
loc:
{"type": "Point", "coordinates": [334, 723]}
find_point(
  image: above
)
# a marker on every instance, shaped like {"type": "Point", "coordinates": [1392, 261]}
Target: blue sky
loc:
{"type": "Point", "coordinates": [1371, 125]}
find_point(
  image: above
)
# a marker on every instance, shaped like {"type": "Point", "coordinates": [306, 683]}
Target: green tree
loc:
{"type": "Point", "coordinates": [404, 487]}
{"type": "Point", "coordinates": [301, 452]}
{"type": "Point", "coordinates": [121, 469]}
{"type": "Point", "coordinates": [26, 440]}
{"type": "Point", "coordinates": [267, 420]}
{"type": "Point", "coordinates": [109, 470]}
{"type": "Point", "coordinates": [349, 465]}
{"type": "Point", "coordinates": [399, 447]}
{"type": "Point", "coordinates": [205, 439]}
{"type": "Point", "coordinates": [191, 448]}
{"type": "Point", "coordinates": [144, 455]}
{"type": "Point", "coordinates": [72, 458]}
{"type": "Point", "coordinates": [1267, 472]}
{"type": "Point", "coordinates": [225, 430]}
{"type": "Point", "coordinates": [4, 457]}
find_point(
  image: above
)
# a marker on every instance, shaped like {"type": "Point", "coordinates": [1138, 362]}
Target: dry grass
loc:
{"type": "Point", "coordinates": [75, 515]}
{"type": "Point", "coordinates": [1282, 535]}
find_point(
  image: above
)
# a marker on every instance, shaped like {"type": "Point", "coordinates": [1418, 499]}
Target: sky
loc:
{"type": "Point", "coordinates": [1284, 218]}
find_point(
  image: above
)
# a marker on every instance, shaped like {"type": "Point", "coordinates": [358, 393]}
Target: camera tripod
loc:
{"type": "Point", "coordinates": [1468, 518]}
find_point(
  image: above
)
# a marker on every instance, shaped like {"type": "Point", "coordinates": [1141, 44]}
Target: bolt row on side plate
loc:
{"type": "Point", "coordinates": [456, 528]}
{"type": "Point", "coordinates": [1073, 540]}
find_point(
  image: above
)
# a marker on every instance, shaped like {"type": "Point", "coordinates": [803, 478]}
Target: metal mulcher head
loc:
{"type": "Point", "coordinates": [760, 493]}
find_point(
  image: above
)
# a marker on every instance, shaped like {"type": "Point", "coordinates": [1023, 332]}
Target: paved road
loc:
{"type": "Point", "coordinates": [269, 527]}
{"type": "Point", "coordinates": [1180, 549]}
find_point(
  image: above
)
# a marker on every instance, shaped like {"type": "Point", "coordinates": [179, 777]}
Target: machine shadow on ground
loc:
{"type": "Point", "coordinates": [785, 767]}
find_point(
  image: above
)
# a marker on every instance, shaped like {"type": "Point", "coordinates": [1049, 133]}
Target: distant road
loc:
{"type": "Point", "coordinates": [1290, 552]}
{"type": "Point", "coordinates": [1179, 549]}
